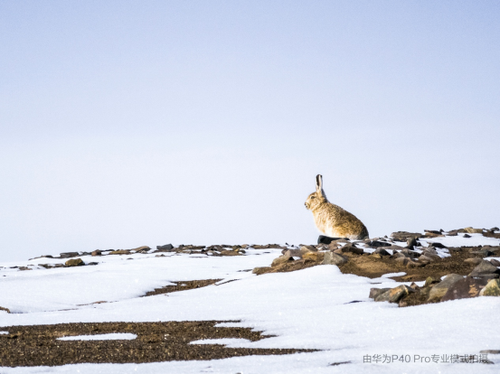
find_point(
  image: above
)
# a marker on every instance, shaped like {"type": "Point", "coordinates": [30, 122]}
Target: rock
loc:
{"type": "Point", "coordinates": [142, 249]}
{"type": "Point", "coordinates": [467, 236]}
{"type": "Point", "coordinates": [375, 292]}
{"type": "Point", "coordinates": [414, 264]}
{"type": "Point", "coordinates": [120, 252]}
{"type": "Point", "coordinates": [412, 242]}
{"type": "Point", "coordinates": [492, 288]}
{"type": "Point", "coordinates": [464, 288]}
{"type": "Point", "coordinates": [402, 260]}
{"type": "Point", "coordinates": [74, 262]}
{"type": "Point", "coordinates": [313, 256]}
{"type": "Point", "coordinates": [5, 309]}
{"type": "Point", "coordinates": [440, 289]}
{"type": "Point", "coordinates": [382, 252]}
{"type": "Point", "coordinates": [97, 252]}
{"type": "Point", "coordinates": [282, 259]}
{"type": "Point", "coordinates": [409, 253]}
{"type": "Point", "coordinates": [431, 280]}
{"type": "Point", "coordinates": [437, 245]}
{"type": "Point", "coordinates": [293, 252]}
{"type": "Point", "coordinates": [471, 230]}
{"type": "Point", "coordinates": [331, 258]}
{"type": "Point", "coordinates": [69, 254]}
{"type": "Point", "coordinates": [322, 239]}
{"type": "Point", "coordinates": [261, 270]}
{"type": "Point", "coordinates": [482, 252]}
{"type": "Point", "coordinates": [433, 233]}
{"type": "Point", "coordinates": [352, 249]}
{"type": "Point", "coordinates": [473, 260]}
{"type": "Point", "coordinates": [425, 260]}
{"type": "Point", "coordinates": [394, 294]}
{"type": "Point", "coordinates": [403, 236]}
{"type": "Point", "coordinates": [484, 269]}
{"type": "Point", "coordinates": [377, 244]}
{"type": "Point", "coordinates": [495, 262]}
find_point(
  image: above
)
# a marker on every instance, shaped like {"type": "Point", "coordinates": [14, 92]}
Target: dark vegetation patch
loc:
{"type": "Point", "coordinates": [183, 286]}
{"type": "Point", "coordinates": [155, 342]}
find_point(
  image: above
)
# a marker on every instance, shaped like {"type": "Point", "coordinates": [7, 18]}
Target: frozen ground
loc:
{"type": "Point", "coordinates": [318, 308]}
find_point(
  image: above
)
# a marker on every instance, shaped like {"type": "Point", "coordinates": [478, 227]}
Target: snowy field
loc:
{"type": "Point", "coordinates": [315, 308]}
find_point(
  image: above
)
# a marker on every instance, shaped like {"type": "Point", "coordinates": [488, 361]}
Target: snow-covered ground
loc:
{"type": "Point", "coordinates": [311, 308]}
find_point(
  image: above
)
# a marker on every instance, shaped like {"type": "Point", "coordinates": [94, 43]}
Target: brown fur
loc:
{"type": "Point", "coordinates": [330, 219]}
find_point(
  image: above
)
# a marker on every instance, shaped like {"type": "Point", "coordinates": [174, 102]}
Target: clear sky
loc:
{"type": "Point", "coordinates": [128, 123]}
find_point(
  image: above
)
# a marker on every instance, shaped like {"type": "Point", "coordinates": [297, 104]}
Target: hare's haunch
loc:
{"type": "Point", "coordinates": [332, 220]}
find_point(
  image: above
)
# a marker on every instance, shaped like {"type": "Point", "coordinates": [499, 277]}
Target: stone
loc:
{"type": "Point", "coordinates": [464, 288]}
{"type": "Point", "coordinates": [437, 245]}
{"type": "Point", "coordinates": [403, 236]}
{"type": "Point", "coordinates": [473, 260]}
{"type": "Point", "coordinates": [394, 294]}
{"type": "Point", "coordinates": [440, 289]}
{"type": "Point", "coordinates": [294, 252]}
{"type": "Point", "coordinates": [331, 258]}
{"type": "Point", "coordinates": [281, 260]}
{"type": "Point", "coordinates": [414, 264]}
{"type": "Point", "coordinates": [412, 242]}
{"type": "Point", "coordinates": [120, 252]}
{"type": "Point", "coordinates": [5, 309]}
{"type": "Point", "coordinates": [308, 248]}
{"type": "Point", "coordinates": [483, 268]}
{"type": "Point", "coordinates": [382, 252]}
{"type": "Point", "coordinates": [74, 262]}
{"type": "Point", "coordinates": [142, 249]}
{"type": "Point", "coordinates": [261, 270]}
{"type": "Point", "coordinates": [97, 252]}
{"type": "Point", "coordinates": [375, 292]}
{"type": "Point", "coordinates": [69, 254]}
{"type": "Point", "coordinates": [164, 248]}
{"type": "Point", "coordinates": [409, 253]}
{"type": "Point", "coordinates": [313, 256]}
{"type": "Point", "coordinates": [471, 230]}
{"type": "Point", "coordinates": [402, 260]}
{"type": "Point", "coordinates": [425, 260]}
{"type": "Point", "coordinates": [492, 288]}
{"type": "Point", "coordinates": [377, 244]}
{"type": "Point", "coordinates": [352, 249]}
{"type": "Point", "coordinates": [495, 262]}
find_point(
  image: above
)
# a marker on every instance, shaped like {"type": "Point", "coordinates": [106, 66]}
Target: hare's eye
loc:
{"type": "Point", "coordinates": [312, 197]}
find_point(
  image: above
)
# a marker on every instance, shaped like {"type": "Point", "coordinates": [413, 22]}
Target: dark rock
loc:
{"type": "Point", "coordinates": [69, 254]}
{"type": "Point", "coordinates": [412, 243]}
{"type": "Point", "coordinates": [282, 259]}
{"type": "Point", "coordinates": [492, 288]}
{"type": "Point", "coordinates": [483, 269]}
{"type": "Point", "coordinates": [293, 251]}
{"type": "Point", "coordinates": [433, 233]}
{"type": "Point", "coordinates": [440, 289]}
{"type": "Point", "coordinates": [377, 244]}
{"type": "Point", "coordinates": [97, 252]}
{"type": "Point", "coordinates": [74, 262]}
{"type": "Point", "coordinates": [164, 248]}
{"type": "Point", "coordinates": [322, 239]}
{"type": "Point", "coordinates": [466, 236]}
{"type": "Point", "coordinates": [437, 245]}
{"type": "Point", "coordinates": [382, 252]}
{"type": "Point", "coordinates": [409, 253]}
{"type": "Point", "coordinates": [482, 252]}
{"type": "Point", "coordinates": [5, 309]}
{"type": "Point", "coordinates": [464, 288]}
{"type": "Point", "coordinates": [332, 258]}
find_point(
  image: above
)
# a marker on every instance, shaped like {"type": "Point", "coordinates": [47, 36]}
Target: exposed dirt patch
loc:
{"type": "Point", "coordinates": [182, 286]}
{"type": "Point", "coordinates": [372, 267]}
{"type": "Point", "coordinates": [155, 342]}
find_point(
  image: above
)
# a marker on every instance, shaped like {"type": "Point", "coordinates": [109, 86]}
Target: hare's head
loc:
{"type": "Point", "coordinates": [316, 198]}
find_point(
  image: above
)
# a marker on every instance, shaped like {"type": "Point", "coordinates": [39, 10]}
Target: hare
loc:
{"type": "Point", "coordinates": [332, 220]}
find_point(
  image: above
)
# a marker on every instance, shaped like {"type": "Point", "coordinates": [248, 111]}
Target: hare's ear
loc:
{"type": "Point", "coordinates": [319, 184]}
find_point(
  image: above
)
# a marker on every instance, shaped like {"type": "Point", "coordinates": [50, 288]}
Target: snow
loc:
{"type": "Point", "coordinates": [112, 336]}
{"type": "Point", "coordinates": [315, 308]}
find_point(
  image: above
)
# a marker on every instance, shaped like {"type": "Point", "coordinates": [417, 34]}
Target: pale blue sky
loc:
{"type": "Point", "coordinates": [125, 123]}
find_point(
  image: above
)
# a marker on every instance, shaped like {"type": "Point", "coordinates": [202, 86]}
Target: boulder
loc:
{"type": "Point", "coordinates": [382, 252]}
{"type": "Point", "coordinates": [492, 288]}
{"type": "Point", "coordinates": [313, 256]}
{"type": "Point", "coordinates": [440, 289]}
{"type": "Point", "coordinates": [464, 288]}
{"type": "Point", "coordinates": [332, 258]}
{"type": "Point", "coordinates": [394, 294]}
{"type": "Point", "coordinates": [74, 262]}
{"type": "Point", "coordinates": [69, 254]}
{"type": "Point", "coordinates": [403, 236]}
{"type": "Point", "coordinates": [352, 249]}
{"type": "Point", "coordinates": [282, 259]}
{"type": "Point", "coordinates": [375, 292]}
{"type": "Point", "coordinates": [485, 269]}
{"type": "Point", "coordinates": [164, 248]}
